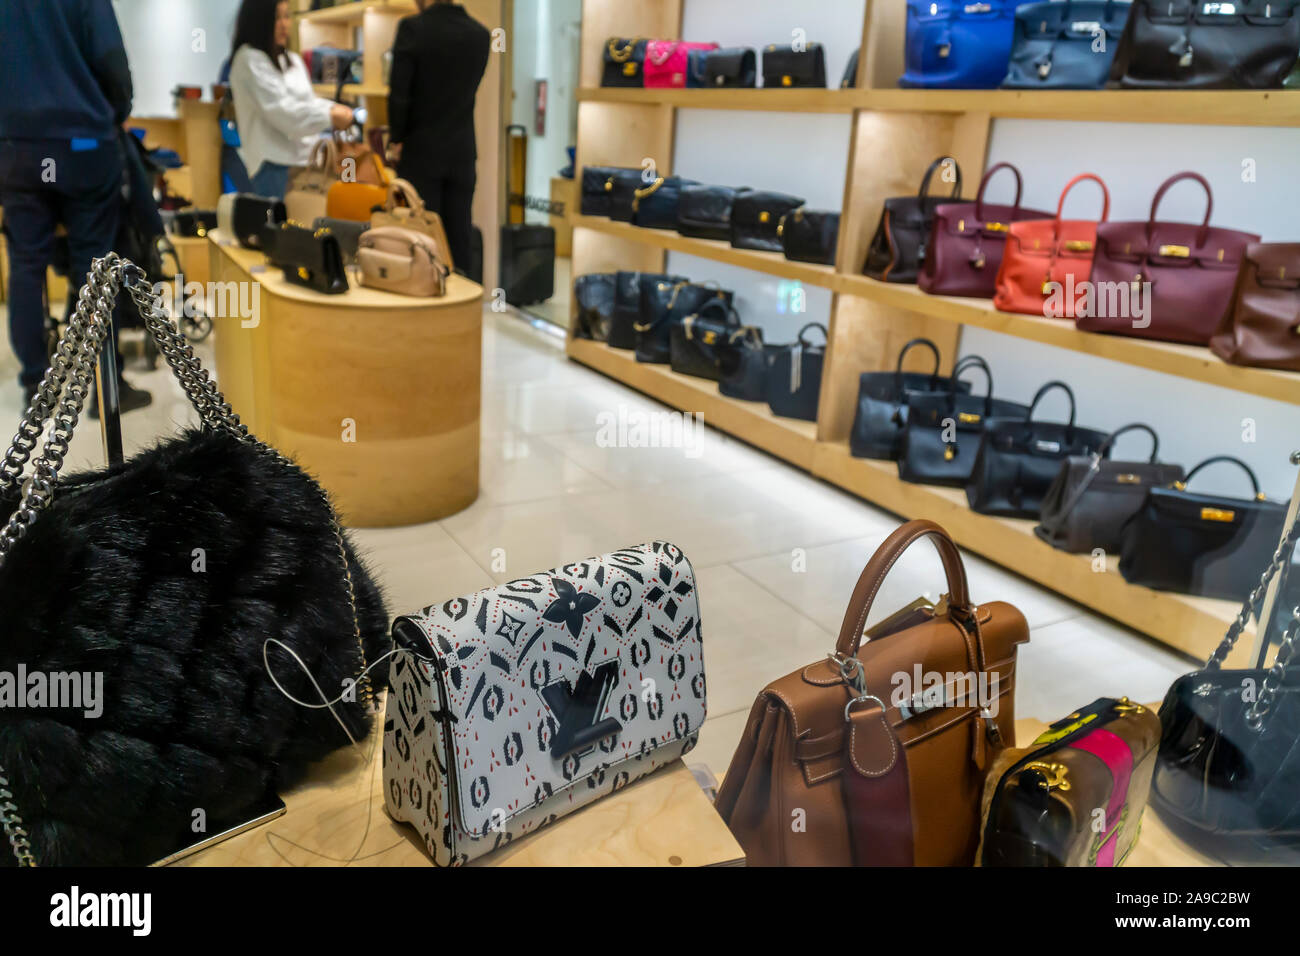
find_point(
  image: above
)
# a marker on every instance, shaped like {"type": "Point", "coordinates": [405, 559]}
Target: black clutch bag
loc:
{"type": "Point", "coordinates": [1093, 497]}
{"type": "Point", "coordinates": [756, 218]}
{"type": "Point", "coordinates": [347, 232]}
{"type": "Point", "coordinates": [699, 341]}
{"type": "Point", "coordinates": [194, 223]}
{"type": "Point", "coordinates": [311, 258]}
{"type": "Point", "coordinates": [594, 295]}
{"type": "Point", "coordinates": [943, 430]}
{"type": "Point", "coordinates": [731, 68]}
{"type": "Point", "coordinates": [704, 212]}
{"type": "Point", "coordinates": [1228, 762]}
{"type": "Point", "coordinates": [598, 188]}
{"type": "Point", "coordinates": [794, 380]}
{"type": "Point", "coordinates": [897, 249]}
{"type": "Point", "coordinates": [626, 186]}
{"type": "Point", "coordinates": [1207, 545]}
{"type": "Point", "coordinates": [785, 67]}
{"type": "Point", "coordinates": [745, 366]}
{"type": "Point", "coordinates": [810, 236]}
{"type": "Point", "coordinates": [624, 63]}
{"type": "Point", "coordinates": [250, 213]}
{"type": "Point", "coordinates": [627, 304]}
{"type": "Point", "coordinates": [665, 304]}
{"type": "Point", "coordinates": [882, 405]}
{"type": "Point", "coordinates": [655, 205]}
{"type": "Point", "coordinates": [1019, 458]}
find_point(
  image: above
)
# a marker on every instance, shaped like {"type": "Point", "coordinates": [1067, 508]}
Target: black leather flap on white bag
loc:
{"type": "Point", "coordinates": [514, 706]}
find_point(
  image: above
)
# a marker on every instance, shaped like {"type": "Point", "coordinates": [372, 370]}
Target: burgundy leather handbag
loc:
{"type": "Point", "coordinates": [1262, 327]}
{"type": "Point", "coordinates": [967, 240]}
{"type": "Point", "coordinates": [1164, 280]}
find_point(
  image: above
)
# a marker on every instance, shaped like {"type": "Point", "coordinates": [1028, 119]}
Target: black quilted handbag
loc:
{"type": "Point", "coordinates": [700, 341]}
{"type": "Point", "coordinates": [655, 205]}
{"type": "Point", "coordinates": [1229, 761]}
{"type": "Point", "coordinates": [704, 212]}
{"type": "Point", "coordinates": [882, 404]}
{"type": "Point", "coordinates": [623, 62]}
{"type": "Point", "coordinates": [664, 304]}
{"type": "Point", "coordinates": [169, 577]}
{"type": "Point", "coordinates": [594, 294]}
{"type": "Point", "coordinates": [810, 236]}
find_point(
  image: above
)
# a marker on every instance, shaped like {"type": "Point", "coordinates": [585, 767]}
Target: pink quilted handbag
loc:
{"type": "Point", "coordinates": [666, 60]}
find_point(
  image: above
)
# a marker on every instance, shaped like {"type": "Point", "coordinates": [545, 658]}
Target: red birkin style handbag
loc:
{"type": "Point", "coordinates": [666, 62]}
{"type": "Point", "coordinates": [966, 242]}
{"type": "Point", "coordinates": [1164, 280]}
{"type": "Point", "coordinates": [1047, 262]}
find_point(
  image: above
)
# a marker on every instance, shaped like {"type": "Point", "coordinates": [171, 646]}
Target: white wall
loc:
{"type": "Point", "coordinates": [165, 51]}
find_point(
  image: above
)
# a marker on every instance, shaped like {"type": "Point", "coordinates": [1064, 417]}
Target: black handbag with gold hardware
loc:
{"type": "Point", "coordinates": [882, 404]}
{"type": "Point", "coordinates": [598, 188]}
{"type": "Point", "coordinates": [745, 365]}
{"type": "Point", "coordinates": [785, 67]}
{"type": "Point", "coordinates": [810, 236]}
{"type": "Point", "coordinates": [250, 213]}
{"type": "Point", "coordinates": [624, 62]}
{"type": "Point", "coordinates": [624, 187]}
{"type": "Point", "coordinates": [731, 68]}
{"type": "Point", "coordinates": [897, 250]}
{"type": "Point", "coordinates": [1093, 496]}
{"type": "Point", "coordinates": [311, 258]}
{"type": "Point", "coordinates": [664, 304]}
{"type": "Point", "coordinates": [699, 342]}
{"type": "Point", "coordinates": [704, 212]}
{"type": "Point", "coordinates": [756, 218]}
{"type": "Point", "coordinates": [594, 295]}
{"type": "Point", "coordinates": [655, 204]}
{"type": "Point", "coordinates": [627, 304]}
{"type": "Point", "coordinates": [1194, 543]}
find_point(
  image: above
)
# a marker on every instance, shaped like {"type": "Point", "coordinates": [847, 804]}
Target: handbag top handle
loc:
{"type": "Point", "coordinates": [714, 305]}
{"type": "Point", "coordinates": [926, 343]}
{"type": "Point", "coordinates": [1044, 391]}
{"type": "Point", "coordinates": [969, 362]}
{"type": "Point", "coordinates": [1136, 426]}
{"type": "Point", "coordinates": [402, 189]}
{"type": "Point", "coordinates": [1250, 473]}
{"type": "Point", "coordinates": [929, 173]}
{"type": "Point", "coordinates": [1204, 231]}
{"type": "Point", "coordinates": [814, 325]}
{"type": "Point", "coordinates": [873, 576]}
{"type": "Point", "coordinates": [324, 156]}
{"type": "Point", "coordinates": [1105, 197]}
{"type": "Point", "coordinates": [984, 183]}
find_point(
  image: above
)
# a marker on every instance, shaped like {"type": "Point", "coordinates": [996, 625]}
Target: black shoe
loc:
{"type": "Point", "coordinates": [128, 399]}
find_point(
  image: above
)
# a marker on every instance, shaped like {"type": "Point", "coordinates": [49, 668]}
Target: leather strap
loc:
{"type": "Point", "coordinates": [979, 198]}
{"type": "Point", "coordinates": [877, 792]}
{"type": "Point", "coordinates": [1136, 426]}
{"type": "Point", "coordinates": [1168, 184]}
{"type": "Point", "coordinates": [1254, 481]}
{"type": "Point", "coordinates": [1042, 393]}
{"type": "Point", "coordinates": [1105, 195]}
{"type": "Point", "coordinates": [925, 181]}
{"type": "Point", "coordinates": [873, 576]}
{"type": "Point", "coordinates": [407, 192]}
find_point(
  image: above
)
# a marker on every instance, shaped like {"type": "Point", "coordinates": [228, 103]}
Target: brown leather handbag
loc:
{"type": "Point", "coordinates": [1262, 328]}
{"type": "Point", "coordinates": [876, 756]}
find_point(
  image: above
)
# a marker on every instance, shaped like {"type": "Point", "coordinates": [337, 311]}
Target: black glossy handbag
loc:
{"type": "Point", "coordinates": [194, 223]}
{"type": "Point", "coordinates": [944, 429]}
{"type": "Point", "coordinates": [700, 340]}
{"type": "Point", "coordinates": [733, 68]}
{"type": "Point", "coordinates": [810, 236]}
{"type": "Point", "coordinates": [627, 304]}
{"type": "Point", "coordinates": [655, 205]}
{"type": "Point", "coordinates": [882, 404]}
{"type": "Point", "coordinates": [1207, 545]}
{"type": "Point", "coordinates": [1065, 46]}
{"type": "Point", "coordinates": [756, 218]}
{"type": "Point", "coordinates": [191, 580]}
{"type": "Point", "coordinates": [594, 295]}
{"type": "Point", "coordinates": [850, 79]}
{"type": "Point", "coordinates": [785, 67]}
{"type": "Point", "coordinates": [626, 185]}
{"type": "Point", "coordinates": [347, 231]}
{"type": "Point", "coordinates": [1229, 761]}
{"type": "Point", "coordinates": [598, 188]}
{"type": "Point", "coordinates": [623, 62]}
{"type": "Point", "coordinates": [664, 304]}
{"type": "Point", "coordinates": [1204, 45]}
{"type": "Point", "coordinates": [310, 258]}
{"type": "Point", "coordinates": [1019, 458]}
{"type": "Point", "coordinates": [794, 379]}
{"type": "Point", "coordinates": [704, 212]}
{"type": "Point", "coordinates": [745, 366]}
{"type": "Point", "coordinates": [250, 213]}
{"type": "Point", "coordinates": [897, 249]}
{"type": "Point", "coordinates": [1093, 496]}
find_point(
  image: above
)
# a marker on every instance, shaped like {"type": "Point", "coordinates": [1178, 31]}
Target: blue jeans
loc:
{"type": "Point", "coordinates": [271, 181]}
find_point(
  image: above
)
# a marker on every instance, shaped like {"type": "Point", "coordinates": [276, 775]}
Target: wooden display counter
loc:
{"type": "Point", "coordinates": [375, 394]}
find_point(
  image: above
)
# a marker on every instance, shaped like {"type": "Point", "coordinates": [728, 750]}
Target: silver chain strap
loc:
{"type": "Point", "coordinates": [1273, 681]}
{"type": "Point", "coordinates": [69, 377]}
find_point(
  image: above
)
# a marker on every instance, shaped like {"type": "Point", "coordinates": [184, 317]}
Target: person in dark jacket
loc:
{"type": "Point", "coordinates": [66, 93]}
{"type": "Point", "coordinates": [439, 58]}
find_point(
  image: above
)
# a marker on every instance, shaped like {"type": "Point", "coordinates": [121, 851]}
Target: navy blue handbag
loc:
{"type": "Point", "coordinates": [695, 69]}
{"type": "Point", "coordinates": [1066, 45]}
{"type": "Point", "coordinates": [958, 45]}
{"type": "Point", "coordinates": [655, 205]}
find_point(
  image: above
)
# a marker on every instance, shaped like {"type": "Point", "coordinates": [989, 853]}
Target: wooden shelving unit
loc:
{"type": "Point", "coordinates": [366, 25]}
{"type": "Point", "coordinates": [353, 13]}
{"type": "Point", "coordinates": [895, 134]}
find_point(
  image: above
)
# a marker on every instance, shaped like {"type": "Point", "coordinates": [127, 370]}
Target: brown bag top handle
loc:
{"type": "Point", "coordinates": [1169, 184]}
{"type": "Point", "coordinates": [325, 156]}
{"type": "Point", "coordinates": [886, 556]}
{"type": "Point", "coordinates": [408, 193]}
{"type": "Point", "coordinates": [984, 184]}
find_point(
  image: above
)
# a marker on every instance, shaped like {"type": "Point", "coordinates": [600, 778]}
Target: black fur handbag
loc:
{"type": "Point", "coordinates": [179, 581]}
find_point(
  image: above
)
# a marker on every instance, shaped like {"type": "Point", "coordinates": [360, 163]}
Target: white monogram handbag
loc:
{"type": "Point", "coordinates": [514, 706]}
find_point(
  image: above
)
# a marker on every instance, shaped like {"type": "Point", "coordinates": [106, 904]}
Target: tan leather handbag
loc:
{"type": "Point", "coordinates": [402, 261]}
{"type": "Point", "coordinates": [354, 200]}
{"type": "Point", "coordinates": [309, 187]}
{"type": "Point", "coordinates": [413, 215]}
{"type": "Point", "coordinates": [876, 756]}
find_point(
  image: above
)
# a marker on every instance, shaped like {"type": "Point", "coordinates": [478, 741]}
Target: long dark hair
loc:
{"type": "Point", "coordinates": [255, 27]}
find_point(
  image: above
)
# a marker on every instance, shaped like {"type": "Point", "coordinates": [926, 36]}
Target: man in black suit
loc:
{"type": "Point", "coordinates": [439, 58]}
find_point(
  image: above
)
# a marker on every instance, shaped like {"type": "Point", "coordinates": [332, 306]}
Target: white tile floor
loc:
{"type": "Point", "coordinates": [776, 551]}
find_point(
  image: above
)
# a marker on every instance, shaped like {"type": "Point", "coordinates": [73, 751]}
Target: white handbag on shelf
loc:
{"type": "Point", "coordinates": [517, 705]}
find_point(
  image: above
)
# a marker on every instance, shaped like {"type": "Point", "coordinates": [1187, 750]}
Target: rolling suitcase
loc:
{"type": "Point", "coordinates": [527, 263]}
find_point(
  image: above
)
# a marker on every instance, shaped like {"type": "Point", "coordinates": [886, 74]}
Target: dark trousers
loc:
{"type": "Point", "coordinates": [451, 196]}
{"type": "Point", "coordinates": [45, 183]}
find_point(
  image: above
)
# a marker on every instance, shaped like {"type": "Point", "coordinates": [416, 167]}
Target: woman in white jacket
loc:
{"type": "Point", "coordinates": [279, 114]}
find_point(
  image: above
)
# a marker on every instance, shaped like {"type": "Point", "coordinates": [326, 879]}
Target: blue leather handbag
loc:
{"type": "Point", "coordinates": [957, 45]}
{"type": "Point", "coordinates": [1065, 44]}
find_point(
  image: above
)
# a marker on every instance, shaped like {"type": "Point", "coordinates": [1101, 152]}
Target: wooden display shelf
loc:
{"type": "Point", "coordinates": [772, 263]}
{"type": "Point", "coordinates": [801, 100]}
{"type": "Point", "coordinates": [355, 12]}
{"type": "Point", "coordinates": [790, 439]}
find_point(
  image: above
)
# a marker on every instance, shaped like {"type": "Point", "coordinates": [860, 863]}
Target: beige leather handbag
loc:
{"type": "Point", "coordinates": [309, 186]}
{"type": "Point", "coordinates": [413, 215]}
{"type": "Point", "coordinates": [403, 261]}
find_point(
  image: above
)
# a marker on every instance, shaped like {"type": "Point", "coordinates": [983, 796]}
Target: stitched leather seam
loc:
{"type": "Point", "coordinates": [853, 750]}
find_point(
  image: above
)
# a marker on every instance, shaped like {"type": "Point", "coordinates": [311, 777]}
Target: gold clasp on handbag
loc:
{"type": "Point", "coordinates": [764, 216]}
{"type": "Point", "coordinates": [997, 227]}
{"type": "Point", "coordinates": [1054, 774]}
{"type": "Point", "coordinates": [1126, 706]}
{"type": "Point", "coordinates": [1129, 479]}
{"type": "Point", "coordinates": [968, 418]}
{"type": "Point", "coordinates": [1078, 245]}
{"type": "Point", "coordinates": [1217, 514]}
{"type": "Point", "coordinates": [1175, 252]}
{"type": "Point", "coordinates": [787, 80]}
